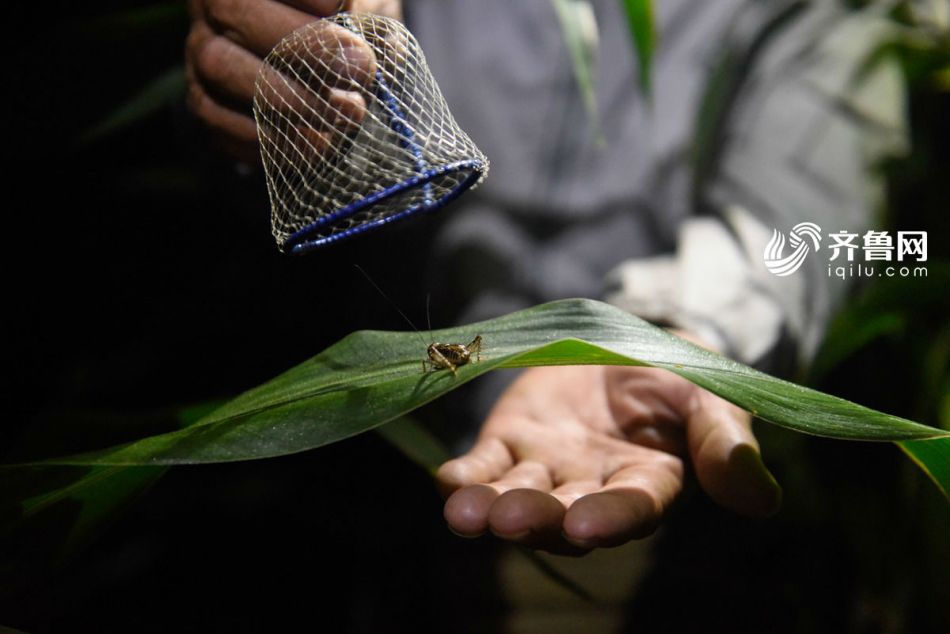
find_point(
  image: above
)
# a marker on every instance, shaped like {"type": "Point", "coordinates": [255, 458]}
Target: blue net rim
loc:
{"type": "Point", "coordinates": [299, 242]}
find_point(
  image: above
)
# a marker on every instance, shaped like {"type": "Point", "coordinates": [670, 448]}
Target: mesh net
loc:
{"type": "Point", "coordinates": [354, 132]}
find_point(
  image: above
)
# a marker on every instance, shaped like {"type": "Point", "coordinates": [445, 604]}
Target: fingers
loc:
{"type": "Point", "coordinates": [468, 510]}
{"type": "Point", "coordinates": [314, 82]}
{"type": "Point", "coordinates": [218, 62]}
{"type": "Point", "coordinates": [221, 118]}
{"type": "Point", "coordinates": [326, 55]}
{"type": "Point", "coordinates": [215, 65]}
{"type": "Point", "coordinates": [390, 8]}
{"type": "Point", "coordinates": [488, 460]}
{"type": "Point", "coordinates": [570, 492]}
{"type": "Point", "coordinates": [608, 517]}
{"type": "Point", "coordinates": [234, 131]}
{"type": "Point", "coordinates": [312, 103]}
{"type": "Point", "coordinates": [726, 457]}
{"type": "Point", "coordinates": [520, 506]}
{"type": "Point", "coordinates": [525, 516]}
{"type": "Point", "coordinates": [321, 7]}
{"type": "Point", "coordinates": [306, 121]}
{"type": "Point", "coordinates": [629, 506]}
{"type": "Point", "coordinates": [611, 518]}
{"type": "Point", "coordinates": [255, 25]}
{"type": "Point", "coordinates": [531, 518]}
{"type": "Point", "coordinates": [582, 471]}
{"type": "Point", "coordinates": [646, 404]}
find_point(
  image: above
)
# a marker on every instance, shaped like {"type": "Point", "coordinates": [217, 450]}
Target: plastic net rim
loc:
{"type": "Point", "coordinates": [300, 242]}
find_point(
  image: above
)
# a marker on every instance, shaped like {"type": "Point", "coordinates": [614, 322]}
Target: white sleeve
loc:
{"type": "Point", "coordinates": [707, 288]}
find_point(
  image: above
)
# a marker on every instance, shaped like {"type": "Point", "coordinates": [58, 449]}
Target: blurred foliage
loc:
{"type": "Point", "coordinates": [642, 25]}
{"type": "Point", "coordinates": [123, 230]}
{"type": "Point", "coordinates": [579, 30]}
{"type": "Point", "coordinates": [158, 94]}
{"type": "Point", "coordinates": [894, 526]}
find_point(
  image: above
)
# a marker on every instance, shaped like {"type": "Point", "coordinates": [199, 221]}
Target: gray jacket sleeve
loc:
{"type": "Point", "coordinates": [673, 214]}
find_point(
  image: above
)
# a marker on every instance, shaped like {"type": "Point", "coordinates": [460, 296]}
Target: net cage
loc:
{"type": "Point", "coordinates": [354, 132]}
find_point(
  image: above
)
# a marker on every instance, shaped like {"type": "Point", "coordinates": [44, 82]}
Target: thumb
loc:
{"type": "Point", "coordinates": [726, 457]}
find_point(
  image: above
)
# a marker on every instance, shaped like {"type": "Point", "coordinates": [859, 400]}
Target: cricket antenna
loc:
{"type": "Point", "coordinates": [391, 302]}
{"type": "Point", "coordinates": [428, 320]}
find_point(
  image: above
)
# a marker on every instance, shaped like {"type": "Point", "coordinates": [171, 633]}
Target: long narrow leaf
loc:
{"type": "Point", "coordinates": [130, 24]}
{"type": "Point", "coordinates": [579, 29]}
{"type": "Point", "coordinates": [56, 510]}
{"type": "Point", "coordinates": [643, 30]}
{"type": "Point", "coordinates": [415, 442]}
{"type": "Point", "coordinates": [154, 96]}
{"type": "Point", "coordinates": [372, 377]}
{"type": "Point", "coordinates": [933, 456]}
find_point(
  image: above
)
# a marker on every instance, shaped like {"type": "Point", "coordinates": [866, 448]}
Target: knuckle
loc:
{"type": "Point", "coordinates": [194, 41]}
{"type": "Point", "coordinates": [217, 11]}
{"type": "Point", "coordinates": [213, 59]}
{"type": "Point", "coordinates": [195, 9]}
{"type": "Point", "coordinates": [669, 464]}
{"type": "Point", "coordinates": [223, 13]}
{"type": "Point", "coordinates": [445, 474]}
{"type": "Point", "coordinates": [197, 101]}
{"type": "Point", "coordinates": [389, 8]}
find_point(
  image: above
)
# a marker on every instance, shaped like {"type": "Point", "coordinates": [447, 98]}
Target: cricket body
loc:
{"type": "Point", "coordinates": [442, 356]}
{"type": "Point", "coordinates": [452, 355]}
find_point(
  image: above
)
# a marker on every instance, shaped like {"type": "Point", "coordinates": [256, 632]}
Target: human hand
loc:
{"type": "Point", "coordinates": [228, 41]}
{"type": "Point", "coordinates": [579, 457]}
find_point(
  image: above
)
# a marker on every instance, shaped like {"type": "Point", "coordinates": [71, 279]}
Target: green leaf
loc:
{"type": "Point", "coordinates": [372, 377]}
{"type": "Point", "coordinates": [847, 335]}
{"type": "Point", "coordinates": [643, 30]}
{"type": "Point", "coordinates": [556, 576]}
{"type": "Point", "coordinates": [132, 23]}
{"type": "Point", "coordinates": [933, 456]}
{"type": "Point", "coordinates": [941, 79]}
{"type": "Point", "coordinates": [48, 512]}
{"type": "Point", "coordinates": [154, 96]}
{"type": "Point", "coordinates": [579, 28]}
{"type": "Point", "coordinates": [415, 442]}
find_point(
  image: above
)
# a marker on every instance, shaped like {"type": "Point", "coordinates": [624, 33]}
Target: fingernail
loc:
{"type": "Point", "coordinates": [513, 537]}
{"type": "Point", "coordinates": [354, 60]}
{"type": "Point", "coordinates": [581, 542]}
{"type": "Point", "coordinates": [461, 534]}
{"type": "Point", "coordinates": [348, 107]}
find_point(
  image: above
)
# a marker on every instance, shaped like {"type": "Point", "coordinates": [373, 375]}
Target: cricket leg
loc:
{"type": "Point", "coordinates": [445, 363]}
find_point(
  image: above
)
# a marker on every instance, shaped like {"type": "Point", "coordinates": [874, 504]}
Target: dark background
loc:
{"type": "Point", "coordinates": [141, 277]}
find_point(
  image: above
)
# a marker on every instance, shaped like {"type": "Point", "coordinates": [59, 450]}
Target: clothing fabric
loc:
{"type": "Point", "coordinates": [632, 217]}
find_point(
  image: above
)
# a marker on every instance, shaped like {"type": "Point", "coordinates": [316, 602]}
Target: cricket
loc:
{"type": "Point", "coordinates": [452, 355]}
{"type": "Point", "coordinates": [440, 356]}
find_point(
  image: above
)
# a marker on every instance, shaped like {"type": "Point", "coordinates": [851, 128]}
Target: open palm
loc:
{"type": "Point", "coordinates": [573, 458]}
